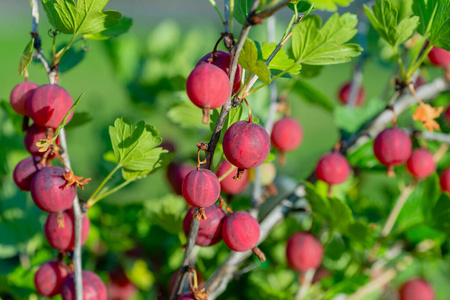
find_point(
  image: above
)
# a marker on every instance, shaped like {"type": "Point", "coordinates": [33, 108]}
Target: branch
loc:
{"type": "Point", "coordinates": [219, 280]}
{"type": "Point", "coordinates": [78, 216]}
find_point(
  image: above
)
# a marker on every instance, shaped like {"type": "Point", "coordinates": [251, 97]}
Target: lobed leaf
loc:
{"type": "Point", "coordinates": [26, 58]}
{"type": "Point", "coordinates": [249, 61]}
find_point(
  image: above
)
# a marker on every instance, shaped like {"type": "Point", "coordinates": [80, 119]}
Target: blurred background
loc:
{"type": "Point", "coordinates": [141, 75]}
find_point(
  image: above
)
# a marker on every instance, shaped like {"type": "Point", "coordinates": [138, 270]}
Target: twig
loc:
{"type": "Point", "coordinates": [393, 215]}
{"type": "Point", "coordinates": [219, 280]}
{"type": "Point", "coordinates": [430, 136]}
{"type": "Point", "coordinates": [304, 287]}
{"type": "Point", "coordinates": [78, 216]}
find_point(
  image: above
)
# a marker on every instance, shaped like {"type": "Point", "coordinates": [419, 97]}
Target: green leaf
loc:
{"type": "Point", "coordinates": [329, 4]}
{"type": "Point", "coordinates": [302, 6]}
{"type": "Point", "coordinates": [358, 231]}
{"type": "Point", "coordinates": [135, 148]}
{"type": "Point", "coordinates": [83, 17]}
{"type": "Point", "coordinates": [249, 61]}
{"type": "Point", "coordinates": [71, 58]}
{"type": "Point", "coordinates": [186, 114]}
{"type": "Point", "coordinates": [241, 10]}
{"type": "Point", "coordinates": [434, 18]}
{"type": "Point", "coordinates": [122, 27]}
{"type": "Point", "coordinates": [316, 45]}
{"type": "Point", "coordinates": [167, 212]}
{"type": "Point", "coordinates": [26, 58]}
{"type": "Point", "coordinates": [281, 60]}
{"type": "Point", "coordinates": [312, 95]}
{"type": "Point", "coordinates": [441, 213]}
{"type": "Point", "coordinates": [383, 18]}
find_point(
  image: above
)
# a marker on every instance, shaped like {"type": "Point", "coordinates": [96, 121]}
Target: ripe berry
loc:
{"type": "Point", "coordinates": [421, 164]}
{"type": "Point", "coordinates": [60, 232]}
{"type": "Point", "coordinates": [392, 147]}
{"type": "Point", "coordinates": [344, 95]}
{"type": "Point", "coordinates": [210, 230]}
{"type": "Point", "coordinates": [228, 184]}
{"type": "Point", "coordinates": [201, 188]}
{"type": "Point", "coordinates": [444, 180]}
{"type": "Point", "coordinates": [240, 231]}
{"type": "Point", "coordinates": [447, 115]}
{"type": "Point", "coordinates": [176, 172]}
{"type": "Point", "coordinates": [304, 251]}
{"type": "Point", "coordinates": [20, 95]}
{"type": "Point", "coordinates": [34, 134]}
{"type": "Point", "coordinates": [120, 287]}
{"type": "Point", "coordinates": [246, 145]}
{"type": "Point", "coordinates": [49, 190]}
{"type": "Point", "coordinates": [286, 134]}
{"type": "Point", "coordinates": [439, 57]}
{"type": "Point", "coordinates": [333, 168]}
{"type": "Point", "coordinates": [416, 289]}
{"type": "Point", "coordinates": [49, 278]}
{"type": "Point", "coordinates": [93, 287]}
{"type": "Point", "coordinates": [25, 171]}
{"type": "Point", "coordinates": [49, 104]}
{"type": "Point", "coordinates": [222, 60]}
{"type": "Point", "coordinates": [208, 87]}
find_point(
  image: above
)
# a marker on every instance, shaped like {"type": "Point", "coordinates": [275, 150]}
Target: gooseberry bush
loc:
{"type": "Point", "coordinates": [309, 164]}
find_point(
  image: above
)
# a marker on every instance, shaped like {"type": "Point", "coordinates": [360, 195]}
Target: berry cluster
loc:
{"type": "Point", "coordinates": [50, 189]}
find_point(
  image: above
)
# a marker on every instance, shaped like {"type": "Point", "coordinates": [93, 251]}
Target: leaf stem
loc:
{"type": "Point", "coordinates": [91, 202]}
{"type": "Point", "coordinates": [214, 4]}
{"type": "Point", "coordinates": [400, 64]}
{"type": "Point", "coordinates": [107, 178]}
{"type": "Point", "coordinates": [416, 64]}
{"type": "Point", "coordinates": [57, 59]}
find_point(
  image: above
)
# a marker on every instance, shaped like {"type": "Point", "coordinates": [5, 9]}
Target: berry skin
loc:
{"type": "Point", "coordinates": [201, 188]}
{"type": "Point", "coordinates": [49, 190]}
{"type": "Point", "coordinates": [49, 105]}
{"type": "Point", "coordinates": [439, 57]}
{"type": "Point", "coordinates": [344, 94]}
{"type": "Point", "coordinates": [228, 185]}
{"type": "Point", "coordinates": [25, 171]}
{"type": "Point", "coordinates": [286, 134]}
{"type": "Point", "coordinates": [62, 238]}
{"type": "Point", "coordinates": [34, 134]}
{"type": "Point", "coordinates": [416, 289]}
{"type": "Point", "coordinates": [120, 287]}
{"type": "Point", "coordinates": [176, 172]}
{"type": "Point", "coordinates": [222, 60]}
{"type": "Point", "coordinates": [444, 180]}
{"type": "Point", "coordinates": [93, 287]}
{"type": "Point", "coordinates": [392, 147]}
{"type": "Point", "coordinates": [240, 231]}
{"type": "Point", "coordinates": [49, 278]}
{"type": "Point", "coordinates": [333, 168]}
{"type": "Point", "coordinates": [246, 145]}
{"type": "Point", "coordinates": [20, 95]}
{"type": "Point", "coordinates": [304, 251]}
{"type": "Point", "coordinates": [447, 115]}
{"type": "Point", "coordinates": [208, 87]}
{"type": "Point", "coordinates": [421, 164]}
{"type": "Point", "coordinates": [210, 230]}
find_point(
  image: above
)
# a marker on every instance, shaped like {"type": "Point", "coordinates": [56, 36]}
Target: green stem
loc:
{"type": "Point", "coordinates": [278, 76]}
{"type": "Point", "coordinates": [419, 62]}
{"type": "Point", "coordinates": [243, 88]}
{"type": "Point", "coordinates": [54, 47]}
{"type": "Point", "coordinates": [214, 4]}
{"type": "Point", "coordinates": [107, 178]}
{"type": "Point", "coordinates": [400, 63]}
{"type": "Point", "coordinates": [230, 20]}
{"type": "Point", "coordinates": [61, 53]}
{"type": "Point", "coordinates": [92, 201]}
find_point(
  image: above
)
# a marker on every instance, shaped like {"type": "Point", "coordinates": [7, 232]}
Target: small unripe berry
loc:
{"type": "Point", "coordinates": [201, 188]}
{"type": "Point", "coordinates": [304, 251]}
{"type": "Point", "coordinates": [93, 287]}
{"type": "Point", "coordinates": [416, 289]}
{"type": "Point", "coordinates": [333, 168]}
{"type": "Point", "coordinates": [210, 230]}
{"type": "Point", "coordinates": [392, 147]}
{"type": "Point", "coordinates": [344, 94]}
{"type": "Point", "coordinates": [208, 87]}
{"type": "Point", "coordinates": [20, 95]}
{"type": "Point", "coordinates": [439, 57]}
{"type": "Point", "coordinates": [176, 172]}
{"type": "Point", "coordinates": [49, 278]}
{"type": "Point", "coordinates": [49, 104]}
{"type": "Point", "coordinates": [222, 60]}
{"type": "Point", "coordinates": [228, 184]}
{"type": "Point", "coordinates": [444, 180]}
{"type": "Point", "coordinates": [24, 172]}
{"type": "Point", "coordinates": [287, 134]}
{"type": "Point", "coordinates": [421, 163]}
{"type": "Point", "coordinates": [246, 145]}
{"type": "Point", "coordinates": [49, 191]}
{"type": "Point", "coordinates": [34, 134]}
{"type": "Point", "coordinates": [240, 231]}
